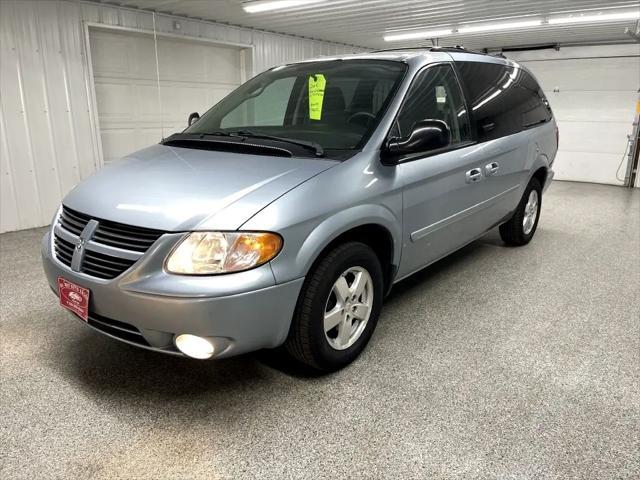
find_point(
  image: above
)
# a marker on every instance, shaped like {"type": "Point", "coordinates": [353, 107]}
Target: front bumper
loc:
{"type": "Point", "coordinates": [147, 307]}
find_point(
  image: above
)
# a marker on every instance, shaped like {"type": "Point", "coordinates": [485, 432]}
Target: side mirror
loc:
{"type": "Point", "coordinates": [425, 135]}
{"type": "Point", "coordinates": [193, 118]}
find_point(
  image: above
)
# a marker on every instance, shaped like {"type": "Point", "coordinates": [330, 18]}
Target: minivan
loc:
{"type": "Point", "coordinates": [284, 215]}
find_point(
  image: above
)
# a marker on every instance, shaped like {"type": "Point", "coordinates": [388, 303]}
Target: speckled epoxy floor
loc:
{"type": "Point", "coordinates": [495, 363]}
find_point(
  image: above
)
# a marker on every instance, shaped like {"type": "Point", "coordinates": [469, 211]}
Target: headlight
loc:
{"type": "Point", "coordinates": [208, 253]}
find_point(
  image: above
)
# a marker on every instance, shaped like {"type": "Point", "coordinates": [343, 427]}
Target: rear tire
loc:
{"type": "Point", "coordinates": [345, 288]}
{"type": "Point", "coordinates": [519, 230]}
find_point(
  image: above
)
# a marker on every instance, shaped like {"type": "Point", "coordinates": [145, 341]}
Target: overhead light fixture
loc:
{"type": "Point", "coordinates": [602, 17]}
{"type": "Point", "coordinates": [495, 27]}
{"type": "Point", "coordinates": [417, 35]}
{"type": "Point", "coordinates": [265, 6]}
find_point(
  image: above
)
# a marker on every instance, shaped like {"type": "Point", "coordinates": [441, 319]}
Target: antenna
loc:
{"type": "Point", "coordinates": [155, 45]}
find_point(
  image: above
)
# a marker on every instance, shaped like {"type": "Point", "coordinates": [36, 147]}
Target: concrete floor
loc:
{"type": "Point", "coordinates": [495, 363]}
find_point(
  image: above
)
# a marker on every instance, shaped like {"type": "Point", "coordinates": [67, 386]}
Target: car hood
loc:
{"type": "Point", "coordinates": [178, 189]}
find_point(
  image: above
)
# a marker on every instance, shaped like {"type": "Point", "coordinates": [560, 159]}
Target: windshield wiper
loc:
{"type": "Point", "coordinates": [316, 147]}
{"type": "Point", "coordinates": [217, 133]}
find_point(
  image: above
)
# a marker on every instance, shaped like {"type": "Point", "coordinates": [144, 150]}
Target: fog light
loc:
{"type": "Point", "coordinates": [194, 346]}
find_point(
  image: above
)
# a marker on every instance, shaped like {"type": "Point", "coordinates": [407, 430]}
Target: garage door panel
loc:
{"type": "Point", "coordinates": [593, 137]}
{"type": "Point", "coordinates": [148, 136]}
{"type": "Point", "coordinates": [594, 107]}
{"type": "Point", "coordinates": [142, 57]}
{"type": "Point", "coordinates": [116, 143]}
{"type": "Point", "coordinates": [215, 64]}
{"type": "Point", "coordinates": [184, 101]}
{"type": "Point", "coordinates": [103, 60]}
{"type": "Point", "coordinates": [223, 66]}
{"type": "Point", "coordinates": [194, 75]}
{"type": "Point", "coordinates": [588, 167]}
{"type": "Point", "coordinates": [113, 100]}
{"type": "Point", "coordinates": [599, 106]}
{"type": "Point", "coordinates": [587, 74]}
{"type": "Point", "coordinates": [176, 61]}
{"type": "Point", "coordinates": [146, 102]}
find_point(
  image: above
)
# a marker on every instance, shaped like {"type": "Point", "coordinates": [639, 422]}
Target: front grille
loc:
{"type": "Point", "coordinates": [110, 233]}
{"type": "Point", "coordinates": [73, 221]}
{"type": "Point", "coordinates": [116, 328]}
{"type": "Point", "coordinates": [64, 250]}
{"type": "Point", "coordinates": [104, 266]}
{"type": "Point", "coordinates": [123, 244]}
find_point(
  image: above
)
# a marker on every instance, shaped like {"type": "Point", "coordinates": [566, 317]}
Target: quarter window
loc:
{"type": "Point", "coordinates": [536, 109]}
{"type": "Point", "coordinates": [435, 95]}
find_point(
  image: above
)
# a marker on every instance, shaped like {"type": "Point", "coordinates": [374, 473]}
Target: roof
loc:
{"type": "Point", "coordinates": [414, 54]}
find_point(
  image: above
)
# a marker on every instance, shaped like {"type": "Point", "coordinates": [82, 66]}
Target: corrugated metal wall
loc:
{"type": "Point", "coordinates": [48, 137]}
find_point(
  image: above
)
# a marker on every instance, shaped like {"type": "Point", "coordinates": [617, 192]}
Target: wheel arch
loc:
{"type": "Point", "coordinates": [541, 175]}
{"type": "Point", "coordinates": [374, 226]}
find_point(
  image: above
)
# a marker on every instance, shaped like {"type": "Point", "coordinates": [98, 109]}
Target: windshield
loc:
{"type": "Point", "coordinates": [334, 104]}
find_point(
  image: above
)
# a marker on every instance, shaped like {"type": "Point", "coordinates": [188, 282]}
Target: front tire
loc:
{"type": "Point", "coordinates": [338, 308]}
{"type": "Point", "coordinates": [519, 230]}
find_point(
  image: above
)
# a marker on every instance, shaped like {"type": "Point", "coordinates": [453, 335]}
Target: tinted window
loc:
{"type": "Point", "coordinates": [504, 98]}
{"type": "Point", "coordinates": [435, 95]}
{"type": "Point", "coordinates": [536, 110]}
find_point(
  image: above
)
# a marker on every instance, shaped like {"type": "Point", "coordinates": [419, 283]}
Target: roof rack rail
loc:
{"type": "Point", "coordinates": [433, 48]}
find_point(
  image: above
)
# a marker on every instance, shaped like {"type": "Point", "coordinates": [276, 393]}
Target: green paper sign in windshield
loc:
{"type": "Point", "coordinates": [317, 83]}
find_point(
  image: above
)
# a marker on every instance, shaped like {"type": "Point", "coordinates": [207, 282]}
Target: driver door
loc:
{"type": "Point", "coordinates": [441, 187]}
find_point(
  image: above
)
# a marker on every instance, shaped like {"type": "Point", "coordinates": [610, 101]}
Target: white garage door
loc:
{"type": "Point", "coordinates": [593, 93]}
{"type": "Point", "coordinates": [193, 76]}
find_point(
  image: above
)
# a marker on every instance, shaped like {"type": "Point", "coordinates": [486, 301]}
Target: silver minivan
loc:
{"type": "Point", "coordinates": [283, 216]}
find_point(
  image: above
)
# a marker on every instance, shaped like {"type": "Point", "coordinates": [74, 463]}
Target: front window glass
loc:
{"type": "Point", "coordinates": [335, 104]}
{"type": "Point", "coordinates": [435, 95]}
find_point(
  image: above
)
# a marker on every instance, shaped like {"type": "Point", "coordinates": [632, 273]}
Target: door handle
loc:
{"type": "Point", "coordinates": [491, 168]}
{"type": "Point", "coordinates": [473, 175]}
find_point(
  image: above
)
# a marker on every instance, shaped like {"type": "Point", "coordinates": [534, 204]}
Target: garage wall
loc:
{"type": "Point", "coordinates": [193, 76]}
{"type": "Point", "coordinates": [48, 135]}
{"type": "Point", "coordinates": [593, 91]}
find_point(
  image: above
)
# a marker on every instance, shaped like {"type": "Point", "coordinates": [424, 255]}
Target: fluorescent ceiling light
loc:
{"type": "Point", "coordinates": [415, 35]}
{"type": "Point", "coordinates": [494, 27]}
{"type": "Point", "coordinates": [604, 17]}
{"type": "Point", "coordinates": [259, 6]}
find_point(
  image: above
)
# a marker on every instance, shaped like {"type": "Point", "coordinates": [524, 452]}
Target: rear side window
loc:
{"type": "Point", "coordinates": [504, 99]}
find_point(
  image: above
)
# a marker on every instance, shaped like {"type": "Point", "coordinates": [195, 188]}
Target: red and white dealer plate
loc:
{"type": "Point", "coordinates": [74, 297]}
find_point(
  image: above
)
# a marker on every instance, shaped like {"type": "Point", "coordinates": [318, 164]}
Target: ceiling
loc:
{"type": "Point", "coordinates": [365, 22]}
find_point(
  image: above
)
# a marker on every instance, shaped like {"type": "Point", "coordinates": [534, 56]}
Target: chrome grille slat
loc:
{"type": "Point", "coordinates": [139, 232]}
{"type": "Point", "coordinates": [73, 229]}
{"type": "Point", "coordinates": [73, 222]}
{"type": "Point", "coordinates": [109, 248]}
{"type": "Point", "coordinates": [64, 257]}
{"type": "Point", "coordinates": [63, 249]}
{"type": "Point", "coordinates": [103, 232]}
{"type": "Point", "coordinates": [116, 262]}
{"type": "Point", "coordinates": [127, 245]}
{"type": "Point", "coordinates": [79, 217]}
{"type": "Point", "coordinates": [98, 266]}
